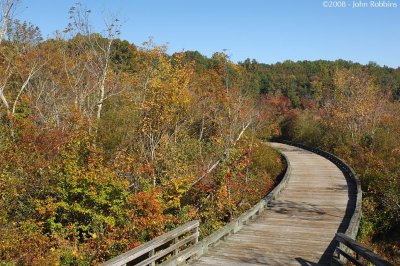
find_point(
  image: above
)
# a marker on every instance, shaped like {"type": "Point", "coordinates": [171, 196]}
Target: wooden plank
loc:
{"type": "Point", "coordinates": [299, 225]}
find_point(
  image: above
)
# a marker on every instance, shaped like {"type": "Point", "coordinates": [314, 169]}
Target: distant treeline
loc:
{"type": "Point", "coordinates": [305, 79]}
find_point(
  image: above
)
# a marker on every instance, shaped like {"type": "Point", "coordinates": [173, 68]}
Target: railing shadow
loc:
{"type": "Point", "coordinates": [304, 262]}
{"type": "Point", "coordinates": [325, 259]}
{"type": "Point", "coordinates": [351, 206]}
{"type": "Point", "coordinates": [350, 209]}
{"type": "Point", "coordinates": [285, 206]}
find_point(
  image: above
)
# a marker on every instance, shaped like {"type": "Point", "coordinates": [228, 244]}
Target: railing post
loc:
{"type": "Point", "coordinates": [197, 236]}
{"type": "Point", "coordinates": [176, 250]}
{"type": "Point", "coordinates": [151, 254]}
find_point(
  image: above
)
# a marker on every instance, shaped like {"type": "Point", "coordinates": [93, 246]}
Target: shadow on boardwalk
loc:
{"type": "Point", "coordinates": [299, 226]}
{"type": "Point", "coordinates": [350, 208]}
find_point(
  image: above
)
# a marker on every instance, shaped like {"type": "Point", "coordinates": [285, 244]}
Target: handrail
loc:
{"type": "Point", "coordinates": [160, 247]}
{"type": "Point", "coordinates": [202, 246]}
{"type": "Point", "coordinates": [360, 250]}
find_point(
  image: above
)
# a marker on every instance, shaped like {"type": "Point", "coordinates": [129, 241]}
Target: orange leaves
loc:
{"type": "Point", "coordinates": [146, 203]}
{"type": "Point", "coordinates": [238, 183]}
{"type": "Point", "coordinates": [25, 244]}
{"type": "Point", "coordinates": [147, 213]}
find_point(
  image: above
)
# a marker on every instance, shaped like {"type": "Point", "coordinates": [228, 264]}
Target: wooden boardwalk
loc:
{"type": "Point", "coordinates": [298, 227]}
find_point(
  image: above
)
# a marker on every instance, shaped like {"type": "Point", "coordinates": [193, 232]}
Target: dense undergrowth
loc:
{"type": "Point", "coordinates": [105, 145]}
{"type": "Point", "coordinates": [67, 204]}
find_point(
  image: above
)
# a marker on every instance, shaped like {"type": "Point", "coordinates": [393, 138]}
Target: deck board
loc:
{"type": "Point", "coordinates": [298, 227]}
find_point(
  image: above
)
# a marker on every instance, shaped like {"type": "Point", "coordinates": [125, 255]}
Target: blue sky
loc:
{"type": "Point", "coordinates": [267, 30]}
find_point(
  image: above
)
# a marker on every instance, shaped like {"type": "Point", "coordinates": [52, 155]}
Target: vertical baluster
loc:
{"type": "Point", "coordinates": [174, 242]}
{"type": "Point", "coordinates": [197, 237]}
{"type": "Point", "coordinates": [151, 254]}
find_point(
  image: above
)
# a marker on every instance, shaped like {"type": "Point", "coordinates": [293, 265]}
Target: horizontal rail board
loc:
{"type": "Point", "coordinates": [152, 245]}
{"type": "Point", "coordinates": [349, 257]}
{"type": "Point", "coordinates": [168, 250]}
{"type": "Point", "coordinates": [360, 250]}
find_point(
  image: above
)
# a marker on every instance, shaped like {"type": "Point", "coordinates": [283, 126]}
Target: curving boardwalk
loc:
{"type": "Point", "coordinates": [299, 226]}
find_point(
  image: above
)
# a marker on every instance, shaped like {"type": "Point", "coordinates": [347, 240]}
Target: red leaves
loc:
{"type": "Point", "coordinates": [147, 212]}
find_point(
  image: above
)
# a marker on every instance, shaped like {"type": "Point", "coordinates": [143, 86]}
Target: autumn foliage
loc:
{"type": "Point", "coordinates": [105, 145]}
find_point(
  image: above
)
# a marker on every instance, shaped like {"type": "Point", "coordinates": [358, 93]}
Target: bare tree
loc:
{"type": "Point", "coordinates": [98, 50]}
{"type": "Point", "coordinates": [16, 71]}
{"type": "Point", "coordinates": [6, 11]}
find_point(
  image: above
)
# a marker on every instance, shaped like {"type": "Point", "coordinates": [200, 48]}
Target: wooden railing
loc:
{"type": "Point", "coordinates": [355, 253]}
{"type": "Point", "coordinates": [173, 249]}
{"type": "Point", "coordinates": [212, 240]}
{"type": "Point", "coordinates": [160, 248]}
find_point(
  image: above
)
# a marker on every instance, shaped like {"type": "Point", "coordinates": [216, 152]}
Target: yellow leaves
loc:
{"type": "Point", "coordinates": [223, 199]}
{"type": "Point", "coordinates": [175, 188]}
{"type": "Point", "coordinates": [166, 95]}
{"type": "Point", "coordinates": [355, 102]}
{"type": "Point", "coordinates": [45, 207]}
{"type": "Point", "coordinates": [75, 253]}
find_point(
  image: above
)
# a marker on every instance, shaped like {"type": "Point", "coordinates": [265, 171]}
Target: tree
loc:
{"type": "Point", "coordinates": [20, 62]}
{"type": "Point", "coordinates": [165, 100]}
{"type": "Point", "coordinates": [6, 11]}
{"type": "Point", "coordinates": [97, 51]}
{"type": "Point", "coordinates": [356, 105]}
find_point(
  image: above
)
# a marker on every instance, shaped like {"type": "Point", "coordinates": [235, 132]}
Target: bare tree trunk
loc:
{"type": "Point", "coordinates": [202, 127]}
{"type": "Point", "coordinates": [6, 6]}
{"type": "Point", "coordinates": [101, 97]}
{"type": "Point", "coordinates": [103, 80]}
{"type": "Point", "coordinates": [243, 130]}
{"type": "Point", "coordinates": [4, 100]}
{"type": "Point", "coordinates": [21, 90]}
{"type": "Point", "coordinates": [210, 169]}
